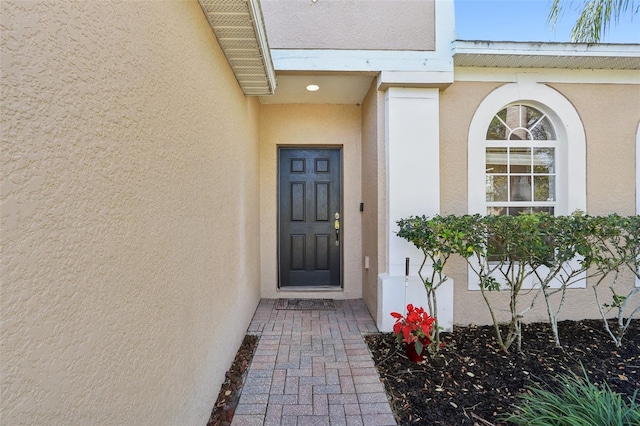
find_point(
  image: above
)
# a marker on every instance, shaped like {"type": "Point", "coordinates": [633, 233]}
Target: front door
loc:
{"type": "Point", "coordinates": [309, 215]}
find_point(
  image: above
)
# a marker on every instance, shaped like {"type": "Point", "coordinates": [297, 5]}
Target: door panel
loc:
{"type": "Point", "coordinates": [309, 199]}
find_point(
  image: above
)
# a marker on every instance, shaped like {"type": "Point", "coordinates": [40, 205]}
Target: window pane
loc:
{"type": "Point", "coordinates": [532, 117]}
{"type": "Point", "coordinates": [496, 160]}
{"type": "Point", "coordinates": [543, 160]}
{"type": "Point", "coordinates": [503, 114]}
{"type": "Point", "coordinates": [542, 210]}
{"type": "Point", "coordinates": [515, 211]}
{"type": "Point", "coordinates": [497, 130]}
{"type": "Point", "coordinates": [520, 160]}
{"type": "Point", "coordinates": [496, 211]}
{"type": "Point", "coordinates": [519, 134]}
{"type": "Point", "coordinates": [513, 119]}
{"type": "Point", "coordinates": [520, 188]}
{"type": "Point", "coordinates": [512, 116]}
{"type": "Point", "coordinates": [497, 188]}
{"type": "Point", "coordinates": [544, 188]}
{"type": "Point", "coordinates": [543, 131]}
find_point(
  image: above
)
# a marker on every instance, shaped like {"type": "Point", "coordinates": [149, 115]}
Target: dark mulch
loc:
{"type": "Point", "coordinates": [230, 390]}
{"type": "Point", "coordinates": [472, 382]}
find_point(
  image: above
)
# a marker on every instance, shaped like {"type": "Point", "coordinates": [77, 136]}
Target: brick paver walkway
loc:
{"type": "Point", "coordinates": [312, 368]}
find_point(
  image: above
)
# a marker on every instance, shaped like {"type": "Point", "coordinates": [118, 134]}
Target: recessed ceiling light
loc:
{"type": "Point", "coordinates": [313, 87]}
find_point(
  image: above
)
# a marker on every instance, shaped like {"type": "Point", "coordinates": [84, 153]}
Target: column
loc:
{"type": "Point", "coordinates": [412, 142]}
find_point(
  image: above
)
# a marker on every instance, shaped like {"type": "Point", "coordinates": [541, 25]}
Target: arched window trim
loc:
{"type": "Point", "coordinates": [571, 184]}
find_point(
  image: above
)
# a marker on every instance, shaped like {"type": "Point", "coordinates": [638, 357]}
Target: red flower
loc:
{"type": "Point", "coordinates": [416, 326]}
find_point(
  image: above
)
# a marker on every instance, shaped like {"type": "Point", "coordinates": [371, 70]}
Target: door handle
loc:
{"type": "Point", "coordinates": [336, 226]}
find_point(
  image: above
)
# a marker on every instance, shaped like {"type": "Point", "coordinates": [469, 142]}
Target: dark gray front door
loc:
{"type": "Point", "coordinates": [309, 213]}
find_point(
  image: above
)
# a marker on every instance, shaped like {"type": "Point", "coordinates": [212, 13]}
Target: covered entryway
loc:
{"type": "Point", "coordinates": [309, 217]}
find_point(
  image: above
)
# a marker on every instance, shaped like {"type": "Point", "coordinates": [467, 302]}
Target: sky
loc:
{"type": "Point", "coordinates": [526, 20]}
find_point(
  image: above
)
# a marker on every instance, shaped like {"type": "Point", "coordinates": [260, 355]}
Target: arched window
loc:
{"type": "Point", "coordinates": [526, 152]}
{"type": "Point", "coordinates": [520, 162]}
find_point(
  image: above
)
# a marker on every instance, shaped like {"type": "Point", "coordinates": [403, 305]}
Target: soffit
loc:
{"type": "Point", "coordinates": [546, 55]}
{"type": "Point", "coordinates": [239, 28]}
{"type": "Point", "coordinates": [342, 88]}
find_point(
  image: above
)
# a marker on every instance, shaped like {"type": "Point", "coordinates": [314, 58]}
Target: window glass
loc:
{"type": "Point", "coordinates": [520, 122]}
{"type": "Point", "coordinates": [497, 130]}
{"type": "Point", "coordinates": [497, 160]}
{"type": "Point", "coordinates": [544, 160]}
{"type": "Point", "coordinates": [520, 167]}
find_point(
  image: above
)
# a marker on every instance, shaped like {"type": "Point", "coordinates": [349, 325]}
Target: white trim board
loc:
{"type": "Point", "coordinates": [480, 47]}
{"type": "Point", "coordinates": [510, 75]}
{"type": "Point", "coordinates": [359, 60]}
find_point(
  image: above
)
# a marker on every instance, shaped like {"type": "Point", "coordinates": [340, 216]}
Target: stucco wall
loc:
{"type": "Point", "coordinates": [373, 195]}
{"type": "Point", "coordinates": [311, 125]}
{"type": "Point", "coordinates": [610, 114]}
{"type": "Point", "coordinates": [458, 103]}
{"type": "Point", "coordinates": [350, 24]}
{"type": "Point", "coordinates": [130, 268]}
{"type": "Point", "coordinates": [610, 173]}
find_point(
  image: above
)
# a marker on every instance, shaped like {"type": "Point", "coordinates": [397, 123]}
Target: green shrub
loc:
{"type": "Point", "coordinates": [576, 402]}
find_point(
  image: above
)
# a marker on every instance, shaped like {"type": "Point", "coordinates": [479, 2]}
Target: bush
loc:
{"type": "Point", "coordinates": [576, 402]}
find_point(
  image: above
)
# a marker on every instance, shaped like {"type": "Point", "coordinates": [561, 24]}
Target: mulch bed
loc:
{"type": "Point", "coordinates": [472, 382]}
{"type": "Point", "coordinates": [230, 390]}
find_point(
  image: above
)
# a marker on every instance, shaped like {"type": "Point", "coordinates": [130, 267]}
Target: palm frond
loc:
{"type": "Point", "coordinates": [595, 18]}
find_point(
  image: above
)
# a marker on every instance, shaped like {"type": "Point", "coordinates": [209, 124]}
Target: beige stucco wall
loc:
{"type": "Point", "coordinates": [129, 186]}
{"type": "Point", "coordinates": [373, 195]}
{"type": "Point", "coordinates": [350, 24]}
{"type": "Point", "coordinates": [311, 125]}
{"type": "Point", "coordinates": [610, 114]}
{"type": "Point", "coordinates": [610, 174]}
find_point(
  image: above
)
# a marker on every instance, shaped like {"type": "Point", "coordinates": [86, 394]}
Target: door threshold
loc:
{"type": "Point", "coordinates": [306, 289]}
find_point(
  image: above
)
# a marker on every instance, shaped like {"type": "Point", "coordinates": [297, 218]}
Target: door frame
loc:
{"type": "Point", "coordinates": [340, 150]}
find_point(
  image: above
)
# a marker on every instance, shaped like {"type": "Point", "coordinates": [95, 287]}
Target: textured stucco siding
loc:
{"type": "Point", "coordinates": [129, 186]}
{"type": "Point", "coordinates": [609, 114]}
{"type": "Point", "coordinates": [373, 194]}
{"type": "Point", "coordinates": [310, 125]}
{"type": "Point", "coordinates": [350, 24]}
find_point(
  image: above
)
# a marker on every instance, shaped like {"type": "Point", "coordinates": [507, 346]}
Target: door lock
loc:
{"type": "Point", "coordinates": [336, 226]}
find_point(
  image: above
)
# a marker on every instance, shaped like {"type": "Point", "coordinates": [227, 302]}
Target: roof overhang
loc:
{"type": "Point", "coordinates": [239, 28]}
{"type": "Point", "coordinates": [546, 55]}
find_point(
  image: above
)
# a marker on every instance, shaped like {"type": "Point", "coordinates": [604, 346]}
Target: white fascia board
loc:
{"type": "Point", "coordinates": [261, 37]}
{"type": "Point", "coordinates": [546, 75]}
{"type": "Point", "coordinates": [439, 79]}
{"type": "Point", "coordinates": [359, 60]}
{"type": "Point", "coordinates": [545, 49]}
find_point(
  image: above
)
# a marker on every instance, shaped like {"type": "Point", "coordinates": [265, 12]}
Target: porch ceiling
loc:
{"type": "Point", "coordinates": [239, 28]}
{"type": "Point", "coordinates": [333, 89]}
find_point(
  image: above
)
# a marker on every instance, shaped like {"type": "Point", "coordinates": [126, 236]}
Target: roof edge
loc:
{"type": "Point", "coordinates": [239, 27]}
{"type": "Point", "coordinates": [546, 48]}
{"type": "Point", "coordinates": [509, 54]}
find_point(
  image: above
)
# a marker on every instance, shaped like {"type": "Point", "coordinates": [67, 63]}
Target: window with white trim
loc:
{"type": "Point", "coordinates": [520, 160]}
{"type": "Point", "coordinates": [526, 152]}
